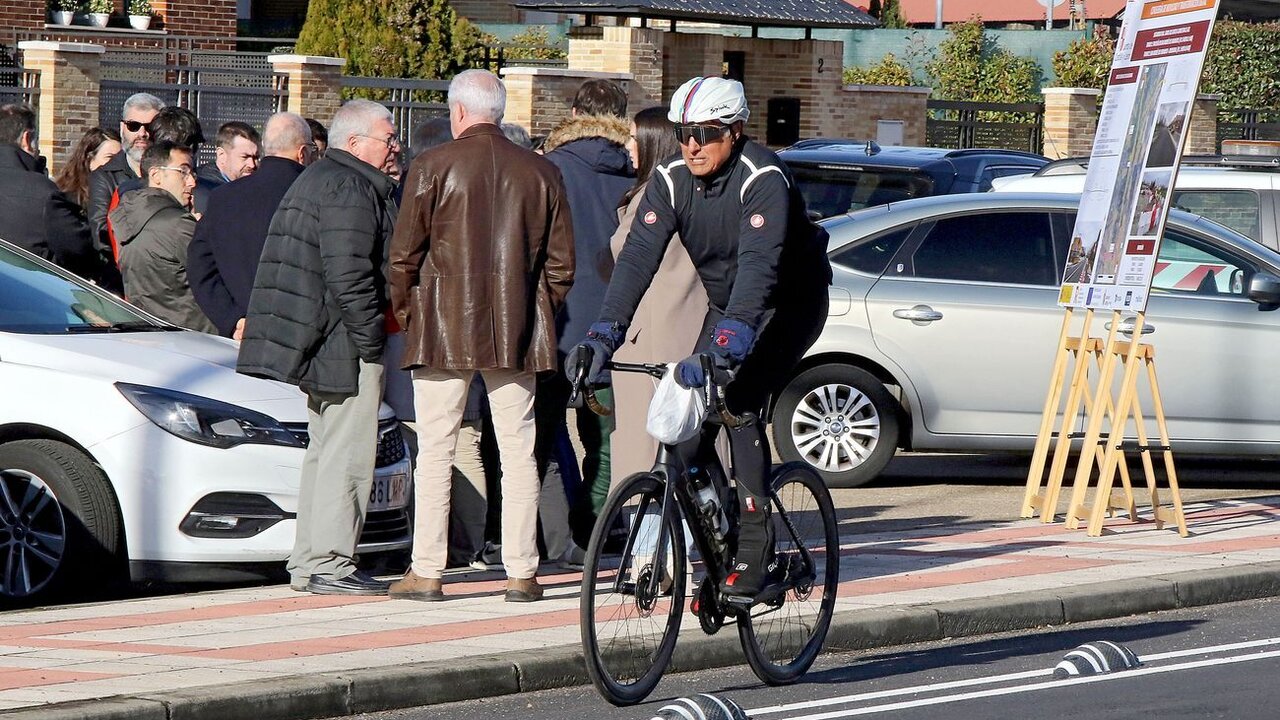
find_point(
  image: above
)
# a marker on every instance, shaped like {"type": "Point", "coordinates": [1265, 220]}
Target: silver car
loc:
{"type": "Point", "coordinates": [944, 324]}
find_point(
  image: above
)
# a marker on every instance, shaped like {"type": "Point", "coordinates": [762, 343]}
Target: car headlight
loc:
{"type": "Point", "coordinates": [204, 420]}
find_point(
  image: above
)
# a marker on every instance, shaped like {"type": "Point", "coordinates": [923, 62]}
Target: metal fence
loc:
{"type": "Point", "coordinates": [230, 89]}
{"type": "Point", "coordinates": [1010, 126]}
{"type": "Point", "coordinates": [411, 102]}
{"type": "Point", "coordinates": [16, 84]}
{"type": "Point", "coordinates": [1249, 124]}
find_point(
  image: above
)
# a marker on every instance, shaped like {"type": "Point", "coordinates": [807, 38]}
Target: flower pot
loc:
{"type": "Point", "coordinates": [63, 17]}
{"type": "Point", "coordinates": [99, 19]}
{"type": "Point", "coordinates": [139, 22]}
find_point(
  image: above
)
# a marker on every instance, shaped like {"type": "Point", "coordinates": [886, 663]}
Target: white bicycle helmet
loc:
{"type": "Point", "coordinates": [710, 98]}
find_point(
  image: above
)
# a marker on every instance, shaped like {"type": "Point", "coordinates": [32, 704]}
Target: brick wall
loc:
{"type": "Point", "coordinates": [314, 85]}
{"type": "Point", "coordinates": [22, 14]}
{"type": "Point", "coordinates": [69, 86]}
{"type": "Point", "coordinates": [633, 51]}
{"type": "Point", "coordinates": [197, 17]}
{"type": "Point", "coordinates": [1070, 121]}
{"type": "Point", "coordinates": [540, 98]}
{"type": "Point", "coordinates": [1204, 126]}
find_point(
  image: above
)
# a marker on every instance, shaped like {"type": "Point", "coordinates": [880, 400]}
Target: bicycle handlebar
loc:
{"type": "Point", "coordinates": [712, 392]}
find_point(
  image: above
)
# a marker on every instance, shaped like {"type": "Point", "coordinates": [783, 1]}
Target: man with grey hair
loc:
{"type": "Point", "coordinates": [481, 260]}
{"type": "Point", "coordinates": [135, 137]}
{"type": "Point", "coordinates": [316, 319]}
{"type": "Point", "coordinates": [223, 257]}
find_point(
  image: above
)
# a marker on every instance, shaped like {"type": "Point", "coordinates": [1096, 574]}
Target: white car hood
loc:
{"type": "Point", "coordinates": [186, 361]}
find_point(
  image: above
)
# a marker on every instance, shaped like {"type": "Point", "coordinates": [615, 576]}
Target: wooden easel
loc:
{"type": "Point", "coordinates": [1130, 353]}
{"type": "Point", "coordinates": [1077, 353]}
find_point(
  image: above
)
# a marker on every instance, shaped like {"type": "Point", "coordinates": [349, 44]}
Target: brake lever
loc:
{"type": "Point", "coordinates": [580, 378]}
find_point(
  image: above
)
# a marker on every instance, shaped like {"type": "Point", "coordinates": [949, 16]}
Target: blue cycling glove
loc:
{"type": "Point", "coordinates": [731, 341]}
{"type": "Point", "coordinates": [602, 340]}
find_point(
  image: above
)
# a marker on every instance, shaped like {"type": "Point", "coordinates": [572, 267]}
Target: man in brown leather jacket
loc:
{"type": "Point", "coordinates": [481, 261]}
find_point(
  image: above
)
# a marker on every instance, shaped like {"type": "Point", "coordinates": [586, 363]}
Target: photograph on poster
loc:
{"type": "Point", "coordinates": [1153, 195]}
{"type": "Point", "coordinates": [1167, 136]}
{"type": "Point", "coordinates": [1082, 253]}
{"type": "Point", "coordinates": [1124, 195]}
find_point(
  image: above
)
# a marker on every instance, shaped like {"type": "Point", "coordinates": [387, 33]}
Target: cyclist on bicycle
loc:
{"type": "Point", "coordinates": [764, 265]}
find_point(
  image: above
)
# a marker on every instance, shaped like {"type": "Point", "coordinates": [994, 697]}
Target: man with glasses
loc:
{"type": "Point", "coordinates": [138, 112]}
{"type": "Point", "coordinates": [154, 225]}
{"type": "Point", "coordinates": [223, 257]}
{"type": "Point", "coordinates": [765, 269]}
{"type": "Point", "coordinates": [316, 319]}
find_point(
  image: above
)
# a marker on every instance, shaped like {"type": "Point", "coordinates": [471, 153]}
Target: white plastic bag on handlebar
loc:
{"type": "Point", "coordinates": [676, 413]}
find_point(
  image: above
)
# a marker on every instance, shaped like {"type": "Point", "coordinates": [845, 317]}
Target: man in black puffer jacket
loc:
{"type": "Point", "coordinates": [316, 320]}
{"type": "Point", "coordinates": [34, 214]}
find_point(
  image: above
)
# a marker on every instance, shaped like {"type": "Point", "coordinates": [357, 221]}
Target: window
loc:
{"type": "Point", "coordinates": [35, 299]}
{"type": "Point", "coordinates": [830, 191]}
{"type": "Point", "coordinates": [998, 171]}
{"type": "Point", "coordinates": [1189, 266]}
{"type": "Point", "coordinates": [1008, 247]}
{"type": "Point", "coordinates": [872, 256]}
{"type": "Point", "coordinates": [1237, 209]}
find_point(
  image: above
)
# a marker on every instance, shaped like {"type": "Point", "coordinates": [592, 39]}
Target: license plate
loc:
{"type": "Point", "coordinates": [389, 492]}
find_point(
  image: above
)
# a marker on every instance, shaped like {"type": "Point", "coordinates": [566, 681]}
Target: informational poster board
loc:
{"type": "Point", "coordinates": [1141, 132]}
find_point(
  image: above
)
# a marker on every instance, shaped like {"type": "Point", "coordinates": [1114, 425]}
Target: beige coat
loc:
{"type": "Point", "coordinates": [665, 329]}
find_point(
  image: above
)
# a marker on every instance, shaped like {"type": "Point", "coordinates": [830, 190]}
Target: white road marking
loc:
{"type": "Point", "coordinates": [1010, 677]}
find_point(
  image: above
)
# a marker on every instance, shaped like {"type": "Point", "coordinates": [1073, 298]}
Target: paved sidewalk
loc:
{"type": "Point", "coordinates": [273, 654]}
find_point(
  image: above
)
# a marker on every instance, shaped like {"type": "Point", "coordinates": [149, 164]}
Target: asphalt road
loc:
{"type": "Point", "coordinates": [1211, 662]}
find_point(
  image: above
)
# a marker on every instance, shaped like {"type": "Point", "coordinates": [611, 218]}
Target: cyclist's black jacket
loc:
{"type": "Point", "coordinates": [746, 230]}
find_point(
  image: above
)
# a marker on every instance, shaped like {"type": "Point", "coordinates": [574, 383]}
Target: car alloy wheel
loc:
{"type": "Point", "coordinates": [33, 533]}
{"type": "Point", "coordinates": [840, 420]}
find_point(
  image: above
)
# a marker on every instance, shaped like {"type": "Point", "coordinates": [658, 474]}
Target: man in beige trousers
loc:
{"type": "Point", "coordinates": [481, 261]}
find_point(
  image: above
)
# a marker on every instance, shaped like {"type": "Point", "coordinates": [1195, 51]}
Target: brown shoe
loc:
{"type": "Point", "coordinates": [412, 587]}
{"type": "Point", "coordinates": [523, 590]}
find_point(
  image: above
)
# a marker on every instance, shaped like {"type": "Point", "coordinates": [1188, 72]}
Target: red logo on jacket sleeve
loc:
{"type": "Point", "coordinates": [757, 221]}
{"type": "Point", "coordinates": [650, 217]}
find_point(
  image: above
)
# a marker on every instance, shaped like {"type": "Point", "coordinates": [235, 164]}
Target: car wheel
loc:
{"type": "Point", "coordinates": [59, 521]}
{"type": "Point", "coordinates": [840, 420]}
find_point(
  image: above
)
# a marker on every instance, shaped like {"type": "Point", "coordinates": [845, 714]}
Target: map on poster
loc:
{"type": "Point", "coordinates": [1141, 131]}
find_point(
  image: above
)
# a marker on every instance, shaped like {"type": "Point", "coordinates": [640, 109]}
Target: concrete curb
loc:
{"type": "Point", "coordinates": [360, 691]}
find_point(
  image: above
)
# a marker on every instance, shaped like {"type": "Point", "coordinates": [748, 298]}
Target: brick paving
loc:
{"type": "Point", "coordinates": [213, 638]}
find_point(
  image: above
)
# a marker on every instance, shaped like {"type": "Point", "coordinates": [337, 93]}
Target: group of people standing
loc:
{"type": "Point", "coordinates": [475, 273]}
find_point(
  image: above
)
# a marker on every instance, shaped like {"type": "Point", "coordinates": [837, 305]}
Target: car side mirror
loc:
{"type": "Point", "coordinates": [1264, 289]}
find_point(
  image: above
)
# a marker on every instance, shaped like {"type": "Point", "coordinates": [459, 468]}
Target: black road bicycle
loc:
{"type": "Point", "coordinates": [638, 562]}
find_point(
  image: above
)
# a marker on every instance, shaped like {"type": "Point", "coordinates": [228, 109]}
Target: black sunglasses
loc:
{"type": "Point", "coordinates": [704, 134]}
{"type": "Point", "coordinates": [136, 125]}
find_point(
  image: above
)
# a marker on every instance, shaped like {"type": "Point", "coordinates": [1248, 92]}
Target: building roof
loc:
{"type": "Point", "coordinates": [772, 13]}
{"type": "Point", "coordinates": [919, 12]}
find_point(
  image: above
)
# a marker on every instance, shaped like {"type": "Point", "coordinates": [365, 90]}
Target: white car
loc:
{"type": "Point", "coordinates": [1241, 192]}
{"type": "Point", "coordinates": [129, 447]}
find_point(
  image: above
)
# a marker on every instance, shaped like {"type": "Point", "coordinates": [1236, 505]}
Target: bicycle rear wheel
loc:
{"type": "Point", "coordinates": [629, 623]}
{"type": "Point", "coordinates": [781, 639]}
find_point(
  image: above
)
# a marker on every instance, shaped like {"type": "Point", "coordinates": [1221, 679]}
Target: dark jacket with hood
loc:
{"type": "Point", "coordinates": [319, 298]}
{"type": "Point", "coordinates": [223, 257]}
{"type": "Point", "coordinates": [38, 217]}
{"type": "Point", "coordinates": [154, 230]}
{"type": "Point", "coordinates": [591, 154]}
{"type": "Point", "coordinates": [102, 185]}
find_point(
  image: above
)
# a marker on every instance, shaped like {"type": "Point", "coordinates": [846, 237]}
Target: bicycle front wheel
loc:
{"type": "Point", "coordinates": [781, 639]}
{"type": "Point", "coordinates": [632, 592]}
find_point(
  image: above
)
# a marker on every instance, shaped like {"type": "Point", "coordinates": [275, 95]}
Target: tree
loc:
{"type": "Point", "coordinates": [892, 17]}
{"type": "Point", "coordinates": [874, 9]}
{"type": "Point", "coordinates": [971, 66]}
{"type": "Point", "coordinates": [889, 71]}
{"type": "Point", "coordinates": [1086, 63]}
{"type": "Point", "coordinates": [391, 38]}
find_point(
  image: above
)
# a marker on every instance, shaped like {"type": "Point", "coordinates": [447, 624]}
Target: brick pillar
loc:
{"type": "Point", "coordinates": [539, 98]}
{"type": "Point", "coordinates": [1070, 121]}
{"type": "Point", "coordinates": [315, 84]}
{"type": "Point", "coordinates": [69, 85]}
{"type": "Point", "coordinates": [1204, 126]}
{"type": "Point", "coordinates": [636, 52]}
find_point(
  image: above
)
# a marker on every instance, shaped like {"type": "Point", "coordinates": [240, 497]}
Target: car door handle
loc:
{"type": "Point", "coordinates": [1126, 328]}
{"type": "Point", "coordinates": [918, 314]}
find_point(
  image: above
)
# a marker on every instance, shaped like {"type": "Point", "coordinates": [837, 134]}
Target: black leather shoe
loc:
{"type": "Point", "coordinates": [357, 583]}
